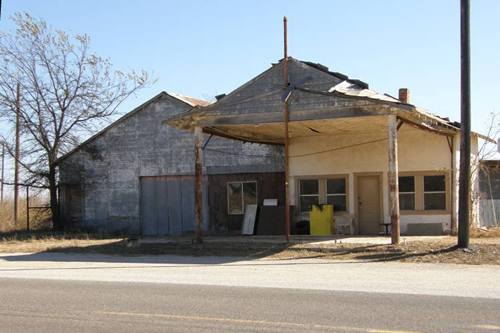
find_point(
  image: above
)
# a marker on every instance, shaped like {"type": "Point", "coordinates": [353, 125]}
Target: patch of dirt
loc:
{"type": "Point", "coordinates": [483, 250]}
{"type": "Point", "coordinates": [420, 252]}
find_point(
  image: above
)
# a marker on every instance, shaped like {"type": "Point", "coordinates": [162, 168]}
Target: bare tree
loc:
{"type": "Point", "coordinates": [66, 91]}
{"type": "Point", "coordinates": [486, 151]}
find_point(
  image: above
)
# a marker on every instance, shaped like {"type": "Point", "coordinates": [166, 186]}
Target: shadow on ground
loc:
{"type": "Point", "coordinates": [222, 250]}
{"type": "Point", "coordinates": [125, 251]}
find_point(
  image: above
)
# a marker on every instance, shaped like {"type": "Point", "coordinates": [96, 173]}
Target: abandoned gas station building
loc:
{"type": "Point", "coordinates": [347, 146]}
{"type": "Point", "coordinates": [345, 143]}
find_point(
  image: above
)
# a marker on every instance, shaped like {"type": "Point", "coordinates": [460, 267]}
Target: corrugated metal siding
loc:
{"type": "Point", "coordinates": [489, 213]}
{"type": "Point", "coordinates": [167, 205]}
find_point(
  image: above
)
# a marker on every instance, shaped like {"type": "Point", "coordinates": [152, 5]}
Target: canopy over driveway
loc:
{"type": "Point", "coordinates": [316, 101]}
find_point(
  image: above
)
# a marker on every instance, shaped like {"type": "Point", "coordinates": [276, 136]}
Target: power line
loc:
{"type": "Point", "coordinates": [339, 148]}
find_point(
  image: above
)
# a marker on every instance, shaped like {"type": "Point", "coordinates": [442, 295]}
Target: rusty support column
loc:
{"type": "Point", "coordinates": [198, 176]}
{"type": "Point", "coordinates": [393, 179]}
{"type": "Point", "coordinates": [286, 134]}
{"type": "Point", "coordinates": [454, 144]}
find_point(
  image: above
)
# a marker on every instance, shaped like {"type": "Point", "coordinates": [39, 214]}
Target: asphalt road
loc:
{"type": "Point", "coordinates": [31, 305]}
{"type": "Point", "coordinates": [57, 292]}
{"type": "Point", "coordinates": [477, 281]}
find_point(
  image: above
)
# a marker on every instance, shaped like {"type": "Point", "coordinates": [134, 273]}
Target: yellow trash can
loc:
{"type": "Point", "coordinates": [321, 221]}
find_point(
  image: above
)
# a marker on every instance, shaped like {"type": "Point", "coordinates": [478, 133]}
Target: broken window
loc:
{"type": "Point", "coordinates": [336, 194]}
{"type": "Point", "coordinates": [309, 194]}
{"type": "Point", "coordinates": [434, 192]}
{"type": "Point", "coordinates": [407, 193]}
{"type": "Point", "coordinates": [239, 195]}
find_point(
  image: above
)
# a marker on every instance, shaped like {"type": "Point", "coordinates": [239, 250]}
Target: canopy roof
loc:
{"type": "Point", "coordinates": [317, 98]}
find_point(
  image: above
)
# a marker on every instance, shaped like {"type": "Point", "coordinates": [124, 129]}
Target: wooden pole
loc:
{"type": "Point", "coordinates": [3, 174]}
{"type": "Point", "coordinates": [286, 112]}
{"type": "Point", "coordinates": [27, 208]}
{"type": "Point", "coordinates": [393, 179]}
{"type": "Point", "coordinates": [16, 153]}
{"type": "Point", "coordinates": [464, 176]}
{"type": "Point", "coordinates": [198, 174]}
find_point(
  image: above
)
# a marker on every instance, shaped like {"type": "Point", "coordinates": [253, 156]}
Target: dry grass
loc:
{"type": "Point", "coordinates": [482, 250]}
{"type": "Point", "coordinates": [46, 240]}
{"type": "Point", "coordinates": [39, 218]}
{"type": "Point", "coordinates": [485, 233]}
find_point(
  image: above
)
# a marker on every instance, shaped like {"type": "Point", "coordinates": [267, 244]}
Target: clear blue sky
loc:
{"type": "Point", "coordinates": [203, 48]}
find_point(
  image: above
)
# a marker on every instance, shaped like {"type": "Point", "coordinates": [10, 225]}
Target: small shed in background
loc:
{"type": "Point", "coordinates": [489, 193]}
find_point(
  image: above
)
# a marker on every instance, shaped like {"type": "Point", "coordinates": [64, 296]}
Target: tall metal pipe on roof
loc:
{"type": "Point", "coordinates": [286, 112]}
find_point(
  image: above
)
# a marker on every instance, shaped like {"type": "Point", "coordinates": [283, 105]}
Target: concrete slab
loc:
{"type": "Point", "coordinates": [303, 240]}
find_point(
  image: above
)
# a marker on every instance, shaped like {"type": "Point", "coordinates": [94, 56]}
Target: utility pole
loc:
{"type": "Point", "coordinates": [3, 174]}
{"type": "Point", "coordinates": [16, 153]}
{"type": "Point", "coordinates": [464, 177]}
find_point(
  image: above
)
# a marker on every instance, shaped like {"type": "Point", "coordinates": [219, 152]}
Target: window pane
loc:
{"type": "Point", "coordinates": [338, 201]}
{"type": "Point", "coordinates": [407, 184]}
{"type": "Point", "coordinates": [309, 186]}
{"type": "Point", "coordinates": [249, 193]}
{"type": "Point", "coordinates": [434, 201]}
{"type": "Point", "coordinates": [407, 201]}
{"type": "Point", "coordinates": [335, 186]}
{"type": "Point", "coordinates": [234, 198]}
{"type": "Point", "coordinates": [434, 183]}
{"type": "Point", "coordinates": [307, 202]}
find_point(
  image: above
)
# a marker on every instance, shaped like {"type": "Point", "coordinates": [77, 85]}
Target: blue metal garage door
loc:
{"type": "Point", "coordinates": [167, 205]}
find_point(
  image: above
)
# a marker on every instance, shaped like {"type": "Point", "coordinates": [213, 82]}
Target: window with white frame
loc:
{"type": "Point", "coordinates": [407, 193]}
{"type": "Point", "coordinates": [332, 191]}
{"type": "Point", "coordinates": [239, 195]}
{"type": "Point", "coordinates": [421, 192]}
{"type": "Point", "coordinates": [308, 193]}
{"type": "Point", "coordinates": [435, 192]}
{"type": "Point", "coordinates": [336, 193]}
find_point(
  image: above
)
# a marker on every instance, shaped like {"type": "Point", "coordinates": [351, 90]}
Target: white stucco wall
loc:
{"type": "Point", "coordinates": [419, 151]}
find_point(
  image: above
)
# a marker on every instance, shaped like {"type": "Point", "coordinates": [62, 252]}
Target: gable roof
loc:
{"type": "Point", "coordinates": [190, 101]}
{"type": "Point", "coordinates": [260, 101]}
{"type": "Point", "coordinates": [323, 82]}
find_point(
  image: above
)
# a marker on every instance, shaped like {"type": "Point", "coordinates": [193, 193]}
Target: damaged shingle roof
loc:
{"type": "Point", "coordinates": [355, 87]}
{"type": "Point", "coordinates": [190, 100]}
{"type": "Point", "coordinates": [338, 75]}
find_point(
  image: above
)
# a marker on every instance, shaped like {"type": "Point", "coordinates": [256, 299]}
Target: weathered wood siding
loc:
{"type": "Point", "coordinates": [108, 168]}
{"type": "Point", "coordinates": [269, 186]}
